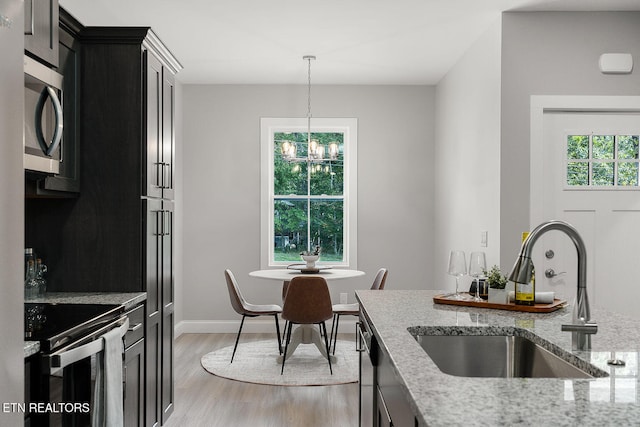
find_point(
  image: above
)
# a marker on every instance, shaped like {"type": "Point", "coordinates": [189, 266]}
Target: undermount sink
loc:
{"type": "Point", "coordinates": [498, 356]}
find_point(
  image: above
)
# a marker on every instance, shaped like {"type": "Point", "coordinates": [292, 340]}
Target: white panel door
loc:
{"type": "Point", "coordinates": [608, 219]}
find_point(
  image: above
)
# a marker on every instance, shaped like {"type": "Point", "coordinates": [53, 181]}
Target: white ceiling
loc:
{"type": "Point", "coordinates": [355, 41]}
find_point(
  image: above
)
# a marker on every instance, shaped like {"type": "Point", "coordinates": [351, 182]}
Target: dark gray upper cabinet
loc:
{"type": "Point", "coordinates": [41, 30]}
{"type": "Point", "coordinates": [160, 127]}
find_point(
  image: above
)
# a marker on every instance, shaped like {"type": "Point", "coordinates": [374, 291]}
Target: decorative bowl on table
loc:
{"type": "Point", "coordinates": [310, 260]}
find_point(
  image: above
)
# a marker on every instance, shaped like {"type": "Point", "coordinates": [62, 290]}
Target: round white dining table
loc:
{"type": "Point", "coordinates": [306, 334]}
{"type": "Point", "coordinates": [285, 274]}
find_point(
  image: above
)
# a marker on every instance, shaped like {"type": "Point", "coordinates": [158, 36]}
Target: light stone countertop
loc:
{"type": "Point", "coordinates": [31, 348]}
{"type": "Point", "coordinates": [126, 299]}
{"type": "Point", "coordinates": [439, 399]}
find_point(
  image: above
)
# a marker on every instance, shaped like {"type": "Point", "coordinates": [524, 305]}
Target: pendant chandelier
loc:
{"type": "Point", "coordinates": [315, 151]}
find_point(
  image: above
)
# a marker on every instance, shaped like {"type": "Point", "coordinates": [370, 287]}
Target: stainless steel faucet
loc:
{"type": "Point", "coordinates": [581, 327]}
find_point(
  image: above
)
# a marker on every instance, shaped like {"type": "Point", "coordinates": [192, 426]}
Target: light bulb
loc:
{"type": "Point", "coordinates": [313, 147]}
{"type": "Point", "coordinates": [333, 150]}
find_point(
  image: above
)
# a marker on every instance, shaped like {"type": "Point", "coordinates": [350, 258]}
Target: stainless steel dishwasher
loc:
{"type": "Point", "coordinates": [367, 346]}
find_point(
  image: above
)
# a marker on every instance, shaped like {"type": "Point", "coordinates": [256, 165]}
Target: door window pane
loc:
{"type": "Point", "coordinates": [578, 173]}
{"type": "Point", "coordinates": [603, 173]}
{"type": "Point", "coordinates": [628, 146]}
{"type": "Point", "coordinates": [578, 147]}
{"type": "Point", "coordinates": [628, 174]}
{"type": "Point", "coordinates": [603, 146]}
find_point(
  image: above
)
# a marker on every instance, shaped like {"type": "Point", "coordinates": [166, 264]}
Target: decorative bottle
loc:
{"type": "Point", "coordinates": [28, 255]}
{"type": "Point", "coordinates": [526, 292]}
{"type": "Point", "coordinates": [30, 283]}
{"type": "Point", "coordinates": [41, 282]}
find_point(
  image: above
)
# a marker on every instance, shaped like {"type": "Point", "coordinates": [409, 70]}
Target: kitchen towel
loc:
{"type": "Point", "coordinates": [540, 298]}
{"type": "Point", "coordinates": [107, 399]}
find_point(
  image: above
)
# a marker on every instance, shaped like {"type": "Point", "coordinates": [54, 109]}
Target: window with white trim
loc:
{"type": "Point", "coordinates": [601, 161]}
{"type": "Point", "coordinates": [308, 201]}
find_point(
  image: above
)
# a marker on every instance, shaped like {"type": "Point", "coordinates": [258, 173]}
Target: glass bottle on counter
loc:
{"type": "Point", "coordinates": [28, 255]}
{"type": "Point", "coordinates": [30, 283]}
{"type": "Point", "coordinates": [41, 282]}
{"type": "Point", "coordinates": [526, 292]}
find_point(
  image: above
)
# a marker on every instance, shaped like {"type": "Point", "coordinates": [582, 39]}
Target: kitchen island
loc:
{"type": "Point", "coordinates": [439, 399]}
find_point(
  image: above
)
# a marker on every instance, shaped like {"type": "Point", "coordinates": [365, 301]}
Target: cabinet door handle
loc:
{"type": "Point", "coordinates": [159, 174]}
{"type": "Point", "coordinates": [158, 231]}
{"type": "Point", "coordinates": [163, 175]}
{"type": "Point", "coordinates": [362, 339]}
{"type": "Point", "coordinates": [166, 223]}
{"type": "Point", "coordinates": [135, 327]}
{"type": "Point", "coordinates": [166, 175]}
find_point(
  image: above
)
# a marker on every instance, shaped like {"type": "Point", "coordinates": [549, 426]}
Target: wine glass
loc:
{"type": "Point", "coordinates": [457, 268]}
{"type": "Point", "coordinates": [477, 267]}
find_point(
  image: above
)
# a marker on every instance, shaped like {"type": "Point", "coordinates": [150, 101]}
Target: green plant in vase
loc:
{"type": "Point", "coordinates": [495, 279]}
{"type": "Point", "coordinates": [497, 283]}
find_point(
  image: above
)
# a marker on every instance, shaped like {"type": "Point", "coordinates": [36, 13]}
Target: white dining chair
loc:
{"type": "Point", "coordinates": [241, 306]}
{"type": "Point", "coordinates": [353, 309]}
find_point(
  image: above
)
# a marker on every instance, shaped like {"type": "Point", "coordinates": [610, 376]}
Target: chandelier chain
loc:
{"type": "Point", "coordinates": [309, 87]}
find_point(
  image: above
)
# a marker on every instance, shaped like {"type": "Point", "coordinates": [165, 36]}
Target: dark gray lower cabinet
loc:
{"type": "Point", "coordinates": [393, 407]}
{"type": "Point", "coordinates": [134, 363]}
{"type": "Point", "coordinates": [389, 405]}
{"type": "Point", "coordinates": [160, 310]}
{"type": "Point", "coordinates": [383, 416]}
{"type": "Point", "coordinates": [134, 385]}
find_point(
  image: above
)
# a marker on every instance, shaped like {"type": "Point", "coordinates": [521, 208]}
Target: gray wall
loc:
{"type": "Point", "coordinates": [221, 184]}
{"type": "Point", "coordinates": [12, 212]}
{"type": "Point", "coordinates": [467, 157]}
{"type": "Point", "coordinates": [552, 54]}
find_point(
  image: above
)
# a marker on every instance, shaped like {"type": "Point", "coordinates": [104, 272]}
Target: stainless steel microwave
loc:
{"type": "Point", "coordinates": [43, 117]}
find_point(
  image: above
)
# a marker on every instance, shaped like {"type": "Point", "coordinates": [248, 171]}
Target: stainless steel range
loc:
{"type": "Point", "coordinates": [60, 378]}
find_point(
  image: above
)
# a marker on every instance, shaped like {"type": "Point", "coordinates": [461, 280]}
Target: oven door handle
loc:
{"type": "Point", "coordinates": [64, 358]}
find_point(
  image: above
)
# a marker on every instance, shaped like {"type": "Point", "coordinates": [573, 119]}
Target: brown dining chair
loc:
{"type": "Point", "coordinates": [354, 309]}
{"type": "Point", "coordinates": [307, 302]}
{"type": "Point", "coordinates": [241, 306]}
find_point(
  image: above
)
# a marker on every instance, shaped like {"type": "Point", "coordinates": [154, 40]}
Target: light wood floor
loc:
{"type": "Point", "coordinates": [202, 399]}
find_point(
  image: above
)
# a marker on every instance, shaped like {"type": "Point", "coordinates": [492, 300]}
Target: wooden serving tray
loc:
{"type": "Point", "coordinates": [537, 308]}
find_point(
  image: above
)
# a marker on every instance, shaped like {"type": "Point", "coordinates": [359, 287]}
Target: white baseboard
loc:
{"type": "Point", "coordinates": [251, 326]}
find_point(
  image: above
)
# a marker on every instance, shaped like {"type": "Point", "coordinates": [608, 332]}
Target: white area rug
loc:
{"type": "Point", "coordinates": [257, 362]}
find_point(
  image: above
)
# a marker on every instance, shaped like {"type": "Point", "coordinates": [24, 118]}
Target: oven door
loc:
{"type": "Point", "coordinates": [66, 395]}
{"type": "Point", "coordinates": [43, 117]}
